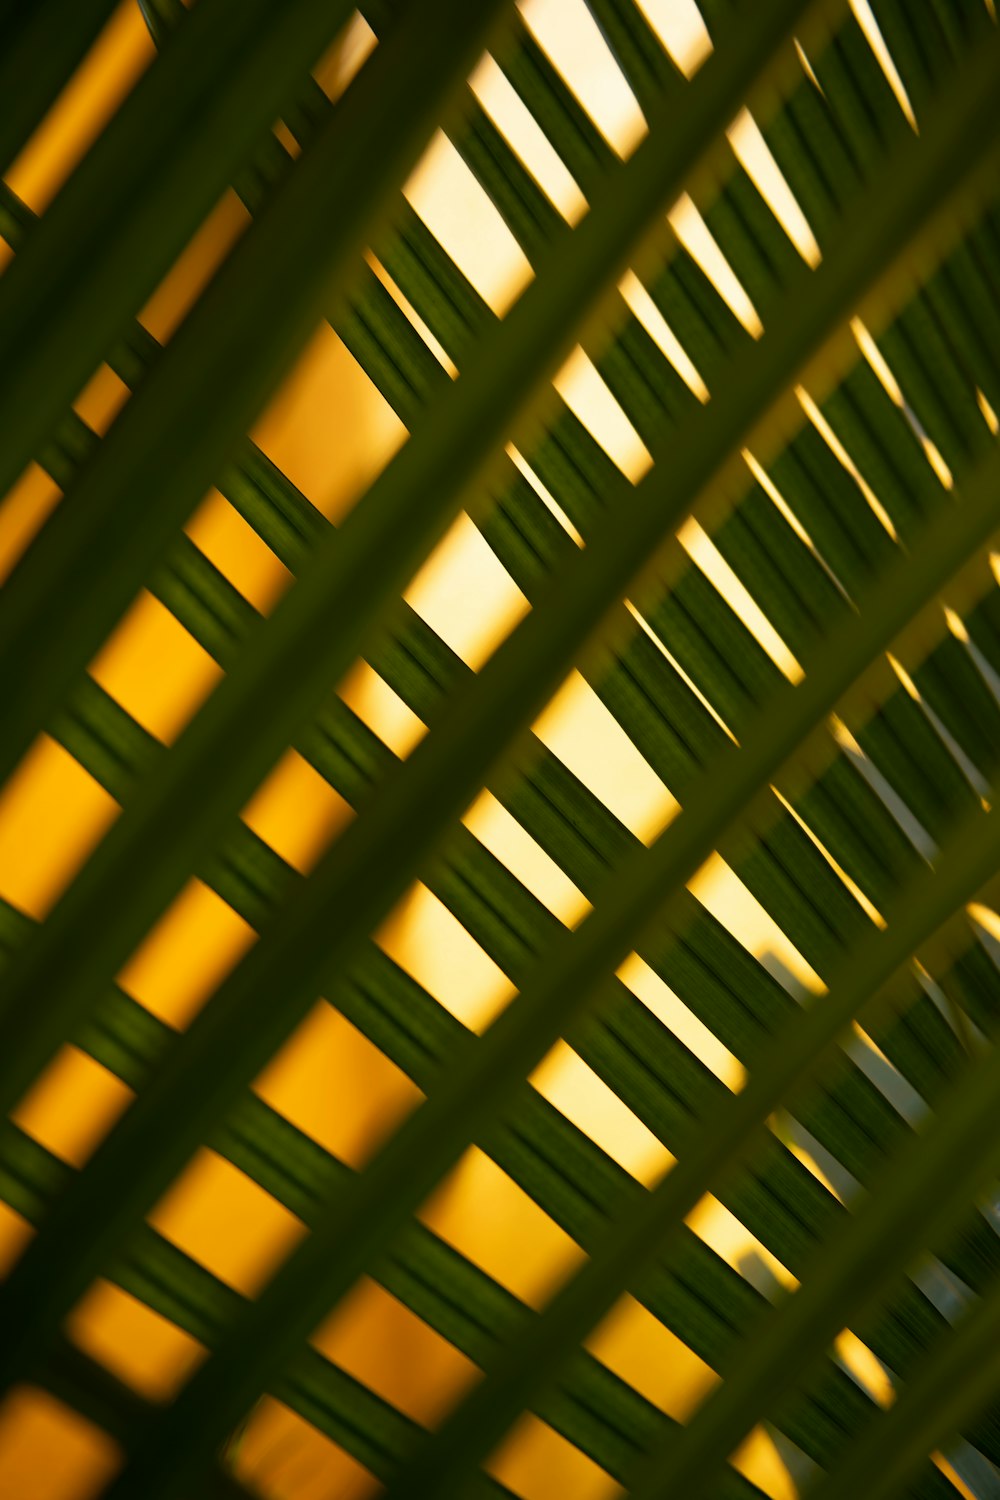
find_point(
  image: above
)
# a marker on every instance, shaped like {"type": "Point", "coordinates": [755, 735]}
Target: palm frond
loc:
{"type": "Point", "coordinates": [818, 687]}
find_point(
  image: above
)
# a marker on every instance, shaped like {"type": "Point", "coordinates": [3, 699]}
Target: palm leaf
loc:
{"type": "Point", "coordinates": [865, 845]}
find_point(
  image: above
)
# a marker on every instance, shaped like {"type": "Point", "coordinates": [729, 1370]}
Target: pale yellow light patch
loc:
{"type": "Point", "coordinates": [757, 1459]}
{"type": "Point", "coordinates": [877, 361]}
{"type": "Point", "coordinates": [27, 506]}
{"type": "Point", "coordinates": [465, 594]}
{"type": "Point", "coordinates": [648, 631]}
{"type": "Point", "coordinates": [590, 400]}
{"type": "Point", "coordinates": [522, 132]}
{"type": "Point", "coordinates": [706, 555]}
{"type": "Point", "coordinates": [138, 1345]}
{"type": "Point", "coordinates": [155, 669]}
{"type": "Point", "coordinates": [194, 267]}
{"type": "Point", "coordinates": [334, 1084]}
{"type": "Point", "coordinates": [843, 736]}
{"type": "Point", "coordinates": [350, 48]}
{"type": "Point", "coordinates": [482, 1213]}
{"type": "Point", "coordinates": [567, 32]}
{"type": "Point", "coordinates": [653, 1360]}
{"type": "Point", "coordinates": [876, 41]}
{"type": "Point", "coordinates": [48, 1451]}
{"type": "Point", "coordinates": [404, 304]}
{"type": "Point", "coordinates": [574, 1089]}
{"type": "Point", "coordinates": [431, 945]}
{"type": "Point", "coordinates": [464, 220]}
{"type": "Point", "coordinates": [870, 910]}
{"type": "Point", "coordinates": [986, 917]}
{"type": "Point", "coordinates": [660, 331]}
{"type": "Point", "coordinates": [72, 1106]}
{"type": "Point", "coordinates": [658, 997]}
{"type": "Point", "coordinates": [544, 493]}
{"type": "Point", "coordinates": [989, 415]}
{"type": "Point", "coordinates": [52, 814]}
{"type": "Point", "coordinates": [284, 1457]}
{"type": "Point", "coordinates": [189, 951]}
{"type": "Point", "coordinates": [15, 1234]}
{"type": "Point", "coordinates": [381, 708]}
{"type": "Point", "coordinates": [937, 463]}
{"type": "Point", "coordinates": [861, 1362]}
{"type": "Point", "coordinates": [811, 1165]}
{"type": "Point", "coordinates": [909, 686]}
{"type": "Point", "coordinates": [368, 1323]}
{"type": "Point", "coordinates": [101, 399]}
{"type": "Point", "coordinates": [284, 135]}
{"type": "Point", "coordinates": [536, 1463]}
{"type": "Point", "coordinates": [327, 427]}
{"type": "Point", "coordinates": [224, 1220]}
{"type": "Point", "coordinates": [578, 729]}
{"type": "Point", "coordinates": [681, 29]}
{"type": "Point", "coordinates": [501, 833]}
{"type": "Point", "coordinates": [807, 66]}
{"type": "Point", "coordinates": [297, 812]}
{"type": "Point", "coordinates": [754, 156]}
{"type": "Point", "coordinates": [890, 384]}
{"type": "Point", "coordinates": [700, 243]}
{"type": "Point", "coordinates": [859, 1045]}
{"type": "Point", "coordinates": [721, 892]}
{"type": "Point", "coordinates": [118, 58]}
{"type": "Point", "coordinates": [220, 532]}
{"type": "Point", "coordinates": [722, 1231]}
{"type": "Point", "coordinates": [771, 490]}
{"type": "Point", "coordinates": [842, 456]}
{"type": "Point", "coordinates": [957, 626]}
{"type": "Point", "coordinates": [938, 1459]}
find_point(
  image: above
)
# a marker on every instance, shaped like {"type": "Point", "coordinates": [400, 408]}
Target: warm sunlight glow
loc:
{"type": "Point", "coordinates": [866, 20]}
{"type": "Point", "coordinates": [656, 325]}
{"type": "Point", "coordinates": [681, 29]}
{"type": "Point", "coordinates": [524, 135]}
{"type": "Point", "coordinates": [698, 240]}
{"type": "Point", "coordinates": [585, 393]}
{"type": "Point", "coordinates": [754, 156]}
{"type": "Point", "coordinates": [841, 454]}
{"type": "Point", "coordinates": [566, 30]}
{"type": "Point", "coordinates": [703, 551]}
{"type": "Point", "coordinates": [462, 217]}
